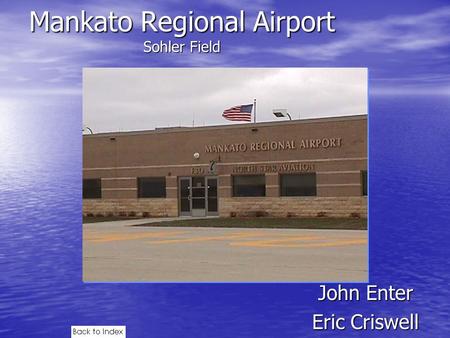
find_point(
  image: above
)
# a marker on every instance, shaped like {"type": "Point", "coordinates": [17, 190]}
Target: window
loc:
{"type": "Point", "coordinates": [151, 187]}
{"type": "Point", "coordinates": [298, 185]}
{"type": "Point", "coordinates": [364, 182]}
{"type": "Point", "coordinates": [92, 188]}
{"type": "Point", "coordinates": [249, 186]}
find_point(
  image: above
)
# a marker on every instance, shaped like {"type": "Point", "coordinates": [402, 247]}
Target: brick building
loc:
{"type": "Point", "coordinates": [302, 168]}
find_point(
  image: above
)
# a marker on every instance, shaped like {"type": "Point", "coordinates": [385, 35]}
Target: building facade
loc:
{"type": "Point", "coordinates": [302, 168]}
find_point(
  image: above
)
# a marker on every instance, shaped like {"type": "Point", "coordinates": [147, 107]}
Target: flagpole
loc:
{"type": "Point", "coordinates": [254, 108]}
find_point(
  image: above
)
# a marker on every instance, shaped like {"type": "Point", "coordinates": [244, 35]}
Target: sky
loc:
{"type": "Point", "coordinates": [405, 46]}
{"type": "Point", "coordinates": [124, 99]}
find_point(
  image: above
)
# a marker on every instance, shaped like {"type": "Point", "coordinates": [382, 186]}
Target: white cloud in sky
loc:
{"type": "Point", "coordinates": [249, 5]}
{"type": "Point", "coordinates": [134, 99]}
{"type": "Point", "coordinates": [407, 33]}
{"type": "Point", "coordinates": [51, 64]}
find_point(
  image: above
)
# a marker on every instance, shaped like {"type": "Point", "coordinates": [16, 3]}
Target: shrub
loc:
{"type": "Point", "coordinates": [355, 215]}
{"type": "Point", "coordinates": [261, 213]}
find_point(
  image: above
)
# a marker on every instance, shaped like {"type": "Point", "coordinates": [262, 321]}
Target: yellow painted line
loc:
{"type": "Point", "coordinates": [302, 245]}
{"type": "Point", "coordinates": [274, 242]}
{"type": "Point", "coordinates": [128, 237]}
{"type": "Point", "coordinates": [205, 239]}
{"type": "Point", "coordinates": [337, 243]}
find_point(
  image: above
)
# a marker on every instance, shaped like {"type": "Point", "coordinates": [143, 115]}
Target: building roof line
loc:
{"type": "Point", "coordinates": [229, 126]}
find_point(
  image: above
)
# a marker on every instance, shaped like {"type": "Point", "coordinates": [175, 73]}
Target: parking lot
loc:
{"type": "Point", "coordinates": [116, 251]}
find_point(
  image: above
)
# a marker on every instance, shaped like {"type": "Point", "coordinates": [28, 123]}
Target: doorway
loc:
{"type": "Point", "coordinates": [198, 196]}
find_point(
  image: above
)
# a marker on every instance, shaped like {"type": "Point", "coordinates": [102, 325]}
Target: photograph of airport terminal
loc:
{"type": "Point", "coordinates": [262, 195]}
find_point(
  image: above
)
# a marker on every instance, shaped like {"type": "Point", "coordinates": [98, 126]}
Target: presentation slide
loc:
{"type": "Point", "coordinates": [224, 169]}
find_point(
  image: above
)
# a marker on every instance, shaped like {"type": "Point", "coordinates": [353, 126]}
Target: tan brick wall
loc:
{"type": "Point", "coordinates": [272, 187]}
{"type": "Point", "coordinates": [236, 206]}
{"type": "Point", "coordinates": [119, 159]}
{"type": "Point", "coordinates": [148, 207]}
{"type": "Point", "coordinates": [104, 153]}
{"type": "Point", "coordinates": [293, 206]}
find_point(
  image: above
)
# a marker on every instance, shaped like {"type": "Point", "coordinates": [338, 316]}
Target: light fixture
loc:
{"type": "Point", "coordinates": [281, 113]}
{"type": "Point", "coordinates": [86, 128]}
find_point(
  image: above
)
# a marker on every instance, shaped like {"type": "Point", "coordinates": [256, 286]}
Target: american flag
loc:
{"type": "Point", "coordinates": [239, 113]}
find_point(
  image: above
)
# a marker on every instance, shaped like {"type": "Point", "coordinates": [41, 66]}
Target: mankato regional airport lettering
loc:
{"type": "Point", "coordinates": [274, 145]}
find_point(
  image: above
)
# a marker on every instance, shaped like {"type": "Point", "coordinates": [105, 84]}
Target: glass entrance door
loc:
{"type": "Point", "coordinates": [198, 196]}
{"type": "Point", "coordinates": [185, 196]}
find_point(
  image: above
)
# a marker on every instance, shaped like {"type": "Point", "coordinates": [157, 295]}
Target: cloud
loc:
{"type": "Point", "coordinates": [392, 34]}
{"type": "Point", "coordinates": [52, 63]}
{"type": "Point", "coordinates": [46, 58]}
{"type": "Point", "coordinates": [242, 4]}
{"type": "Point", "coordinates": [410, 90]}
{"type": "Point", "coordinates": [44, 62]}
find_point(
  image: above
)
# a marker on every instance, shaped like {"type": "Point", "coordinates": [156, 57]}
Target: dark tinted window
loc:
{"type": "Point", "coordinates": [92, 188]}
{"type": "Point", "coordinates": [249, 185]}
{"type": "Point", "coordinates": [298, 185]}
{"type": "Point", "coordinates": [364, 182]}
{"type": "Point", "coordinates": [152, 187]}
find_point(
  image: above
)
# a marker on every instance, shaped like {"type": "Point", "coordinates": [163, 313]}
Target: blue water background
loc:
{"type": "Point", "coordinates": [41, 292]}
